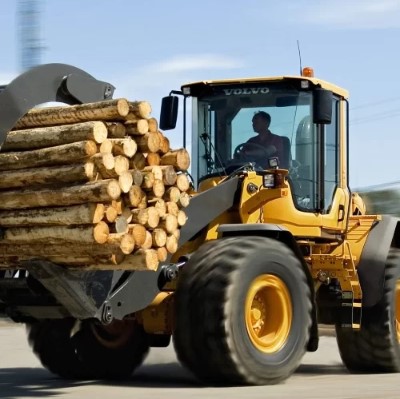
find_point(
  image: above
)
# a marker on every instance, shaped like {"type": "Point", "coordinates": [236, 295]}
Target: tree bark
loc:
{"type": "Point", "coordinates": [148, 142]}
{"type": "Point", "coordinates": [137, 127]}
{"type": "Point", "coordinates": [89, 213]}
{"type": "Point", "coordinates": [116, 130]}
{"type": "Point", "coordinates": [51, 136]}
{"type": "Point", "coordinates": [179, 159]}
{"type": "Point", "coordinates": [108, 110]}
{"type": "Point", "coordinates": [100, 191]}
{"type": "Point", "coordinates": [46, 175]}
{"type": "Point", "coordinates": [58, 155]}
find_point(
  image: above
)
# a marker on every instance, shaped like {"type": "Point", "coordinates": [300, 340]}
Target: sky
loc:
{"type": "Point", "coordinates": [148, 48]}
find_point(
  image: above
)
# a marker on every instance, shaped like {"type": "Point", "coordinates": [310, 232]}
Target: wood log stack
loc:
{"type": "Point", "coordinates": [92, 185]}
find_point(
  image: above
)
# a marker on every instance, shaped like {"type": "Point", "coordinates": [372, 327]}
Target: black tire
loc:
{"type": "Point", "coordinates": [51, 342]}
{"type": "Point", "coordinates": [212, 336]}
{"type": "Point", "coordinates": [91, 353]}
{"type": "Point", "coordinates": [375, 347]}
{"type": "Point", "coordinates": [108, 353]}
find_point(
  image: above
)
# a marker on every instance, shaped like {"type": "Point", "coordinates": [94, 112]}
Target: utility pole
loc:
{"type": "Point", "coordinates": [29, 39]}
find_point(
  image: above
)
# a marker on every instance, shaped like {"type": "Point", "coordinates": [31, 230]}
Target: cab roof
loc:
{"type": "Point", "coordinates": [316, 82]}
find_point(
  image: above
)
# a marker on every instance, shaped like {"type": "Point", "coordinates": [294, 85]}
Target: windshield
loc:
{"type": "Point", "coordinates": [249, 124]}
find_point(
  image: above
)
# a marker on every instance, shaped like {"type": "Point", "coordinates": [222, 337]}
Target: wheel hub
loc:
{"type": "Point", "coordinates": [268, 313]}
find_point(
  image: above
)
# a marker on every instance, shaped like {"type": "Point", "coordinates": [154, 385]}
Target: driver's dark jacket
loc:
{"type": "Point", "coordinates": [282, 145]}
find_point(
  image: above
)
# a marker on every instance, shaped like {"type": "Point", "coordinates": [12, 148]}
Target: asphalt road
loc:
{"type": "Point", "coordinates": [321, 375]}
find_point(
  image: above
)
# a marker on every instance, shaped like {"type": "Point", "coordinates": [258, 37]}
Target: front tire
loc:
{"type": "Point", "coordinates": [243, 312]}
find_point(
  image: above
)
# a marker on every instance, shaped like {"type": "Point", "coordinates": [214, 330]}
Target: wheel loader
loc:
{"type": "Point", "coordinates": [266, 256]}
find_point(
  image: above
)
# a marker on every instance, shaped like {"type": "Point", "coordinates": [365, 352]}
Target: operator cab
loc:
{"type": "Point", "coordinates": [303, 112]}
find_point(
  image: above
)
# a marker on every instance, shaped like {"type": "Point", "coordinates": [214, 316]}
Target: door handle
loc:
{"type": "Point", "coordinates": [341, 213]}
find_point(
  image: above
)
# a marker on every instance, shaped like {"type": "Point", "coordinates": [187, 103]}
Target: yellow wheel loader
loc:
{"type": "Point", "coordinates": [266, 255]}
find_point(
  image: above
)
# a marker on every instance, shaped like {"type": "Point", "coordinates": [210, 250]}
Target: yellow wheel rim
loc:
{"type": "Point", "coordinates": [397, 309]}
{"type": "Point", "coordinates": [269, 313]}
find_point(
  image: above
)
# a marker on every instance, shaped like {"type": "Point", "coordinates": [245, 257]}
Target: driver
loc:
{"type": "Point", "coordinates": [276, 146]}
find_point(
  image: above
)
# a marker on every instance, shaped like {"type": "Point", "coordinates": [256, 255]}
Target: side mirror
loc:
{"type": "Point", "coordinates": [169, 112]}
{"type": "Point", "coordinates": [322, 112]}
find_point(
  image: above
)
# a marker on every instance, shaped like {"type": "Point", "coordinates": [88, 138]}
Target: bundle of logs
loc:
{"type": "Point", "coordinates": [93, 185]}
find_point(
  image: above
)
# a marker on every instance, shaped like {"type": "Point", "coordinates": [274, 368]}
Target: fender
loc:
{"type": "Point", "coordinates": [371, 268]}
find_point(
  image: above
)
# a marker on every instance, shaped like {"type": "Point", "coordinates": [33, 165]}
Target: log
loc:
{"type": "Point", "coordinates": [120, 226]}
{"type": "Point", "coordinates": [148, 242]}
{"type": "Point", "coordinates": [121, 164]}
{"type": "Point", "coordinates": [138, 161]}
{"type": "Point", "coordinates": [106, 147]}
{"type": "Point", "coordinates": [51, 136]}
{"type": "Point", "coordinates": [137, 177]}
{"type": "Point", "coordinates": [137, 127]}
{"type": "Point", "coordinates": [153, 159]}
{"type": "Point", "coordinates": [124, 241]}
{"type": "Point", "coordinates": [179, 159]}
{"type": "Point", "coordinates": [127, 244]}
{"type": "Point", "coordinates": [159, 238]}
{"type": "Point", "coordinates": [32, 250]}
{"type": "Point", "coordinates": [184, 200]}
{"type": "Point", "coordinates": [139, 109]}
{"type": "Point", "coordinates": [125, 181]}
{"type": "Point", "coordinates": [46, 175]}
{"type": "Point", "coordinates": [116, 130]}
{"type": "Point", "coordinates": [56, 234]}
{"type": "Point", "coordinates": [169, 223]}
{"type": "Point", "coordinates": [100, 191]}
{"type": "Point", "coordinates": [126, 147]}
{"type": "Point", "coordinates": [58, 155]}
{"type": "Point", "coordinates": [169, 175]}
{"type": "Point", "coordinates": [111, 110]}
{"type": "Point", "coordinates": [148, 179]}
{"type": "Point", "coordinates": [71, 215]}
{"type": "Point", "coordinates": [138, 232]}
{"type": "Point", "coordinates": [158, 188]}
{"type": "Point", "coordinates": [171, 244]}
{"type": "Point", "coordinates": [182, 182]}
{"type": "Point", "coordinates": [143, 203]}
{"type": "Point", "coordinates": [162, 254]}
{"type": "Point", "coordinates": [152, 125]}
{"type": "Point", "coordinates": [172, 194]}
{"type": "Point", "coordinates": [141, 259]}
{"type": "Point", "coordinates": [127, 214]}
{"type": "Point", "coordinates": [101, 232]}
{"type": "Point", "coordinates": [147, 217]}
{"type": "Point", "coordinates": [118, 205]}
{"type": "Point", "coordinates": [148, 142]}
{"type": "Point", "coordinates": [155, 170]}
{"type": "Point", "coordinates": [164, 143]}
{"type": "Point", "coordinates": [181, 218]}
{"type": "Point", "coordinates": [172, 208]}
{"type": "Point", "coordinates": [176, 234]}
{"type": "Point", "coordinates": [104, 163]}
{"type": "Point", "coordinates": [135, 196]}
{"type": "Point", "coordinates": [159, 204]}
{"type": "Point", "coordinates": [111, 214]}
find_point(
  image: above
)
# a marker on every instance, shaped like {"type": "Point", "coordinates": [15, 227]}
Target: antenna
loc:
{"type": "Point", "coordinates": [298, 49]}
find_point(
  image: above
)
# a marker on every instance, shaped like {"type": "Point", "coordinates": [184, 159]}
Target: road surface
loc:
{"type": "Point", "coordinates": [321, 375]}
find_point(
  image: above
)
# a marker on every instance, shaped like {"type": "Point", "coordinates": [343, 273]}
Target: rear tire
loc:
{"type": "Point", "coordinates": [376, 346]}
{"type": "Point", "coordinates": [243, 312]}
{"type": "Point", "coordinates": [112, 351]}
{"type": "Point", "coordinates": [51, 342]}
{"type": "Point", "coordinates": [94, 352]}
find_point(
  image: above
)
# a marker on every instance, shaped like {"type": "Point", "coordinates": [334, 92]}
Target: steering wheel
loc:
{"type": "Point", "coordinates": [253, 152]}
